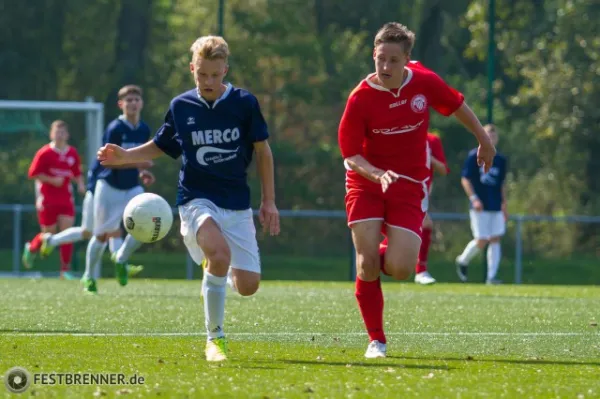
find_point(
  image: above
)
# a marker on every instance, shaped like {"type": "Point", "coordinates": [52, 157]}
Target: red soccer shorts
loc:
{"type": "Point", "coordinates": [48, 214]}
{"type": "Point", "coordinates": [403, 205]}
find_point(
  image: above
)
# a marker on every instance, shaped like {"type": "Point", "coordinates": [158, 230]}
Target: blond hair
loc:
{"type": "Point", "coordinates": [394, 32]}
{"type": "Point", "coordinates": [210, 48]}
{"type": "Point", "coordinates": [129, 89]}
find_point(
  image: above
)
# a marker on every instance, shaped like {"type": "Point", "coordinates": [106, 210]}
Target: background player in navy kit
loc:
{"type": "Point", "coordinates": [115, 187]}
{"type": "Point", "coordinates": [85, 231]}
{"type": "Point", "coordinates": [215, 128]}
{"type": "Point", "coordinates": [488, 212]}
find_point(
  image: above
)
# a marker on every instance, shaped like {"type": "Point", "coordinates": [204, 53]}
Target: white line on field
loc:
{"type": "Point", "coordinates": [292, 334]}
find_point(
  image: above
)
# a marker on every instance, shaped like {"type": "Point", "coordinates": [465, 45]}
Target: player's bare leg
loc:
{"type": "Point", "coordinates": [66, 250]}
{"type": "Point", "coordinates": [218, 257]}
{"type": "Point", "coordinates": [366, 236]}
{"type": "Point", "coordinates": [244, 282]}
{"type": "Point", "coordinates": [494, 253]}
{"type": "Point", "coordinates": [422, 275]}
{"type": "Point", "coordinates": [402, 252]}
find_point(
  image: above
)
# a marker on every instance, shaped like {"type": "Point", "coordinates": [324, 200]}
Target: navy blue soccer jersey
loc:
{"type": "Point", "coordinates": [124, 134]}
{"type": "Point", "coordinates": [487, 186]}
{"type": "Point", "coordinates": [216, 143]}
{"type": "Point", "coordinates": [92, 176]}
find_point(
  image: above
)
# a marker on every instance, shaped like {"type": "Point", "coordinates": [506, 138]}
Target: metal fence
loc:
{"type": "Point", "coordinates": [517, 221]}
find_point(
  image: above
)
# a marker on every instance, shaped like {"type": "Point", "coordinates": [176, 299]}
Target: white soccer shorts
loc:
{"type": "Point", "coordinates": [109, 205]}
{"type": "Point", "coordinates": [487, 224]}
{"type": "Point", "coordinates": [237, 228]}
{"type": "Point", "coordinates": [87, 212]}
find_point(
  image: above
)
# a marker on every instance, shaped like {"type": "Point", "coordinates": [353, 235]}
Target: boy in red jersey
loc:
{"type": "Point", "coordinates": [439, 166]}
{"type": "Point", "coordinates": [53, 168]}
{"type": "Point", "coordinates": [383, 140]}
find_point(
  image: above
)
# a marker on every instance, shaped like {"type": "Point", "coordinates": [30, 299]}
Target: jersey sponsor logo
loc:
{"type": "Point", "coordinates": [213, 155]}
{"type": "Point", "coordinates": [70, 161]}
{"type": "Point", "coordinates": [191, 120]}
{"type": "Point", "coordinates": [398, 103]}
{"type": "Point", "coordinates": [418, 103]}
{"type": "Point", "coordinates": [399, 130]}
{"type": "Point", "coordinates": [61, 172]}
{"type": "Point", "coordinates": [215, 136]}
{"type": "Point", "coordinates": [490, 178]}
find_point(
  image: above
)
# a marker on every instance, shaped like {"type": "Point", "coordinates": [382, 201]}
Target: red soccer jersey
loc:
{"type": "Point", "coordinates": [52, 162]}
{"type": "Point", "coordinates": [437, 151]}
{"type": "Point", "coordinates": [389, 128]}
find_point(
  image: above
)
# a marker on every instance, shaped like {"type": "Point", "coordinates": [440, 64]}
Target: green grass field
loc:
{"type": "Point", "coordinates": [305, 340]}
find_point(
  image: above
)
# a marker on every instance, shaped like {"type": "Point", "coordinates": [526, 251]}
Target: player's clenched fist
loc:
{"type": "Point", "coordinates": [112, 154]}
{"type": "Point", "coordinates": [485, 155]}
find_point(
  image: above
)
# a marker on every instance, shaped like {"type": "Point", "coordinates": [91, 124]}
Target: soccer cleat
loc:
{"type": "Point", "coordinates": [120, 271]}
{"type": "Point", "coordinates": [134, 270]}
{"type": "Point", "coordinates": [375, 349]}
{"type": "Point", "coordinates": [424, 278]}
{"type": "Point", "coordinates": [89, 285]}
{"type": "Point", "coordinates": [46, 249]}
{"type": "Point", "coordinates": [28, 257]}
{"type": "Point", "coordinates": [216, 349]}
{"type": "Point", "coordinates": [461, 271]}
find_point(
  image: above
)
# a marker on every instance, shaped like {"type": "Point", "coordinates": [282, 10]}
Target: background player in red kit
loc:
{"type": "Point", "coordinates": [439, 166]}
{"type": "Point", "coordinates": [383, 140]}
{"type": "Point", "coordinates": [54, 166]}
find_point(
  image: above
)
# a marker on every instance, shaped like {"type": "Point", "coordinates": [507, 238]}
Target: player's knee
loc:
{"type": "Point", "coordinates": [86, 234]}
{"type": "Point", "coordinates": [102, 237]}
{"type": "Point", "coordinates": [400, 269]}
{"type": "Point", "coordinates": [219, 259]}
{"type": "Point", "coordinates": [367, 266]}
{"type": "Point", "coordinates": [494, 239]}
{"type": "Point", "coordinates": [481, 243]}
{"type": "Point", "coordinates": [247, 288]}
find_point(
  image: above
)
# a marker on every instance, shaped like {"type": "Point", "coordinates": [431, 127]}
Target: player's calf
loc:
{"type": "Point", "coordinates": [246, 283]}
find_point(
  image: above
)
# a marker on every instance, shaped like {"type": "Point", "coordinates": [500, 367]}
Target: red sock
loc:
{"type": "Point", "coordinates": [423, 251]}
{"type": "Point", "coordinates": [382, 249]}
{"type": "Point", "coordinates": [370, 302]}
{"type": "Point", "coordinates": [36, 243]}
{"type": "Point", "coordinates": [66, 253]}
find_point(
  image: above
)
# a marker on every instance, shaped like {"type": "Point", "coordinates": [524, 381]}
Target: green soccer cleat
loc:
{"type": "Point", "coordinates": [67, 276]}
{"type": "Point", "coordinates": [45, 249]}
{"type": "Point", "coordinates": [134, 270]}
{"type": "Point", "coordinates": [89, 285]}
{"type": "Point", "coordinates": [120, 271]}
{"type": "Point", "coordinates": [28, 257]}
{"type": "Point", "coordinates": [216, 349]}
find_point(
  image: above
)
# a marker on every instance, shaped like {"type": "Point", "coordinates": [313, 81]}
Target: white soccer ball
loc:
{"type": "Point", "coordinates": [148, 217]}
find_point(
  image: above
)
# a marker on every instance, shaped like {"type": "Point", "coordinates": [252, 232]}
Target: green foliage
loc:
{"type": "Point", "coordinates": [302, 58]}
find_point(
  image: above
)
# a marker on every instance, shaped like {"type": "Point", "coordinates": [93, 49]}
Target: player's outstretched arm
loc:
{"type": "Point", "coordinates": [112, 154]}
{"type": "Point", "coordinates": [486, 151]}
{"type": "Point", "coordinates": [268, 213]}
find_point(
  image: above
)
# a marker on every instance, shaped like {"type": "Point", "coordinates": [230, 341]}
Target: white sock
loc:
{"type": "Point", "coordinates": [127, 249]}
{"type": "Point", "coordinates": [494, 253]}
{"type": "Point", "coordinates": [93, 255]}
{"type": "Point", "coordinates": [98, 266]}
{"type": "Point", "coordinates": [213, 289]}
{"type": "Point", "coordinates": [471, 250]}
{"type": "Point", "coordinates": [114, 243]}
{"type": "Point", "coordinates": [230, 281]}
{"type": "Point", "coordinates": [67, 236]}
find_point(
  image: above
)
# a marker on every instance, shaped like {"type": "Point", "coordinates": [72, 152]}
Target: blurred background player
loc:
{"type": "Point", "coordinates": [438, 165]}
{"type": "Point", "coordinates": [383, 140]}
{"type": "Point", "coordinates": [488, 214]}
{"type": "Point", "coordinates": [53, 168]}
{"type": "Point", "coordinates": [115, 187]}
{"type": "Point", "coordinates": [216, 128]}
{"type": "Point", "coordinates": [85, 231]}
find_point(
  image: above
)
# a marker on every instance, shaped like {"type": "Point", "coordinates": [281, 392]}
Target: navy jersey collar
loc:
{"type": "Point", "coordinates": [223, 96]}
{"type": "Point", "coordinates": [129, 124]}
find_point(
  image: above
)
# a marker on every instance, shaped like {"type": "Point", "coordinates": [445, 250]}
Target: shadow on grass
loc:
{"type": "Point", "coordinates": [367, 364]}
{"type": "Point", "coordinates": [509, 361]}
